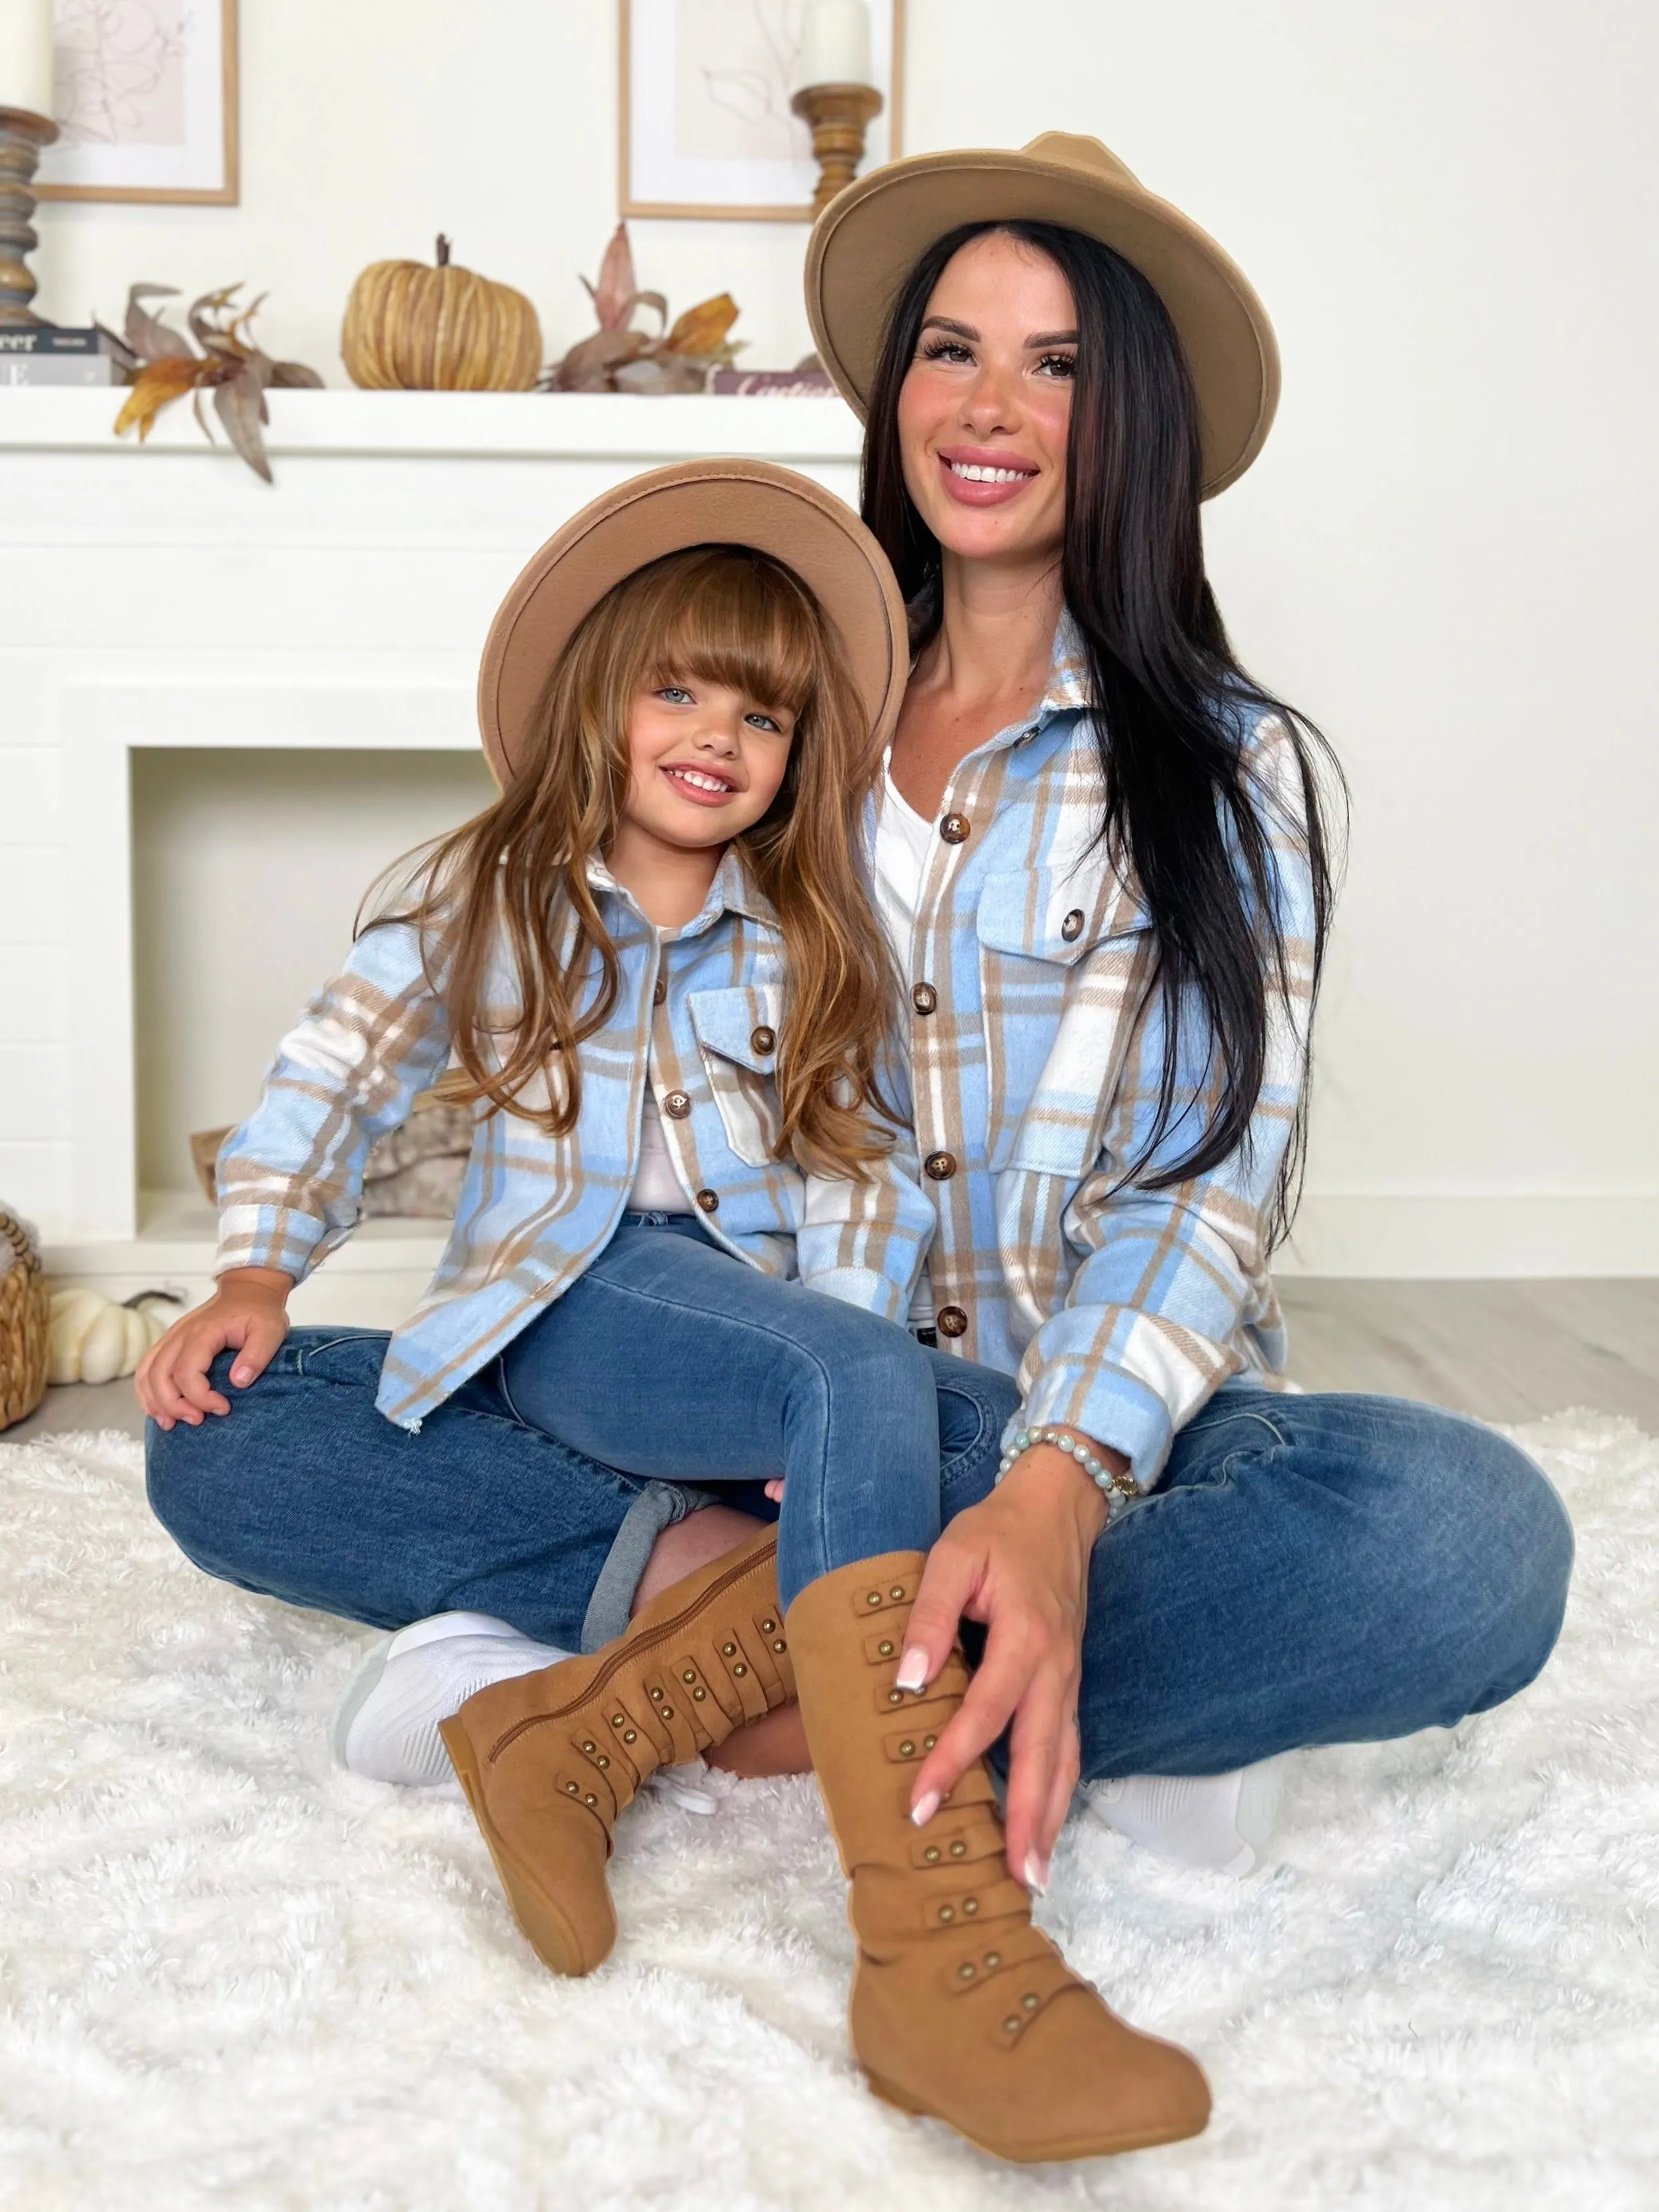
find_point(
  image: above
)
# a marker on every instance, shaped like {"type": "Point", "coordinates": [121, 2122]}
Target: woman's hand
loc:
{"type": "Point", "coordinates": [1018, 1562]}
{"type": "Point", "coordinates": [247, 1314]}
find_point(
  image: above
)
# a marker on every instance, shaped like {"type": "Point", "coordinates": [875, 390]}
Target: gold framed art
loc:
{"type": "Point", "coordinates": [145, 99]}
{"type": "Point", "coordinates": [705, 129]}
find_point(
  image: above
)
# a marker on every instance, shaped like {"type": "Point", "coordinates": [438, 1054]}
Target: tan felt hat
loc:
{"type": "Point", "coordinates": [714, 502]}
{"type": "Point", "coordinates": [869, 236]}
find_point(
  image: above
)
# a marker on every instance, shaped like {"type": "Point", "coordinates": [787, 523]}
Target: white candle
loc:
{"type": "Point", "coordinates": [834, 44]}
{"type": "Point", "coordinates": [26, 55]}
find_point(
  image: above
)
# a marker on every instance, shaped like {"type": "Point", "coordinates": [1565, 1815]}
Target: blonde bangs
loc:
{"type": "Point", "coordinates": [732, 618]}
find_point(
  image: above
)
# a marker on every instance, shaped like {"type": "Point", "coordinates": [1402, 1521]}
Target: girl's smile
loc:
{"type": "Point", "coordinates": [703, 787]}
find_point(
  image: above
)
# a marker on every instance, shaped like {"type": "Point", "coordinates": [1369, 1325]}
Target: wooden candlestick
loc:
{"type": "Point", "coordinates": [840, 114]}
{"type": "Point", "coordinates": [22, 136]}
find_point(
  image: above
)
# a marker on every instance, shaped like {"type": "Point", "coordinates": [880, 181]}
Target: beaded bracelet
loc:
{"type": "Point", "coordinates": [1108, 1479]}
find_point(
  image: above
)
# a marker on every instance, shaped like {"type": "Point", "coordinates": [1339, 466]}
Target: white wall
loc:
{"type": "Point", "coordinates": [1444, 553]}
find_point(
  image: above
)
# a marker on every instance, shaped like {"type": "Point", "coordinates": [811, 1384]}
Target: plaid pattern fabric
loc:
{"type": "Point", "coordinates": [693, 1008]}
{"type": "Point", "coordinates": [1035, 1078]}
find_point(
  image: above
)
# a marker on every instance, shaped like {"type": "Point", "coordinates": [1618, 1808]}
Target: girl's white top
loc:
{"type": "Point", "coordinates": [656, 1187]}
{"type": "Point", "coordinates": [904, 843]}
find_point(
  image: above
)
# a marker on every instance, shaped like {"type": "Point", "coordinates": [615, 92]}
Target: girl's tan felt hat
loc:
{"type": "Point", "coordinates": [714, 502]}
{"type": "Point", "coordinates": [869, 236]}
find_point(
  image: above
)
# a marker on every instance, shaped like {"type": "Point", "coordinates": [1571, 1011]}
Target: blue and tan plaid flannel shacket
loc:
{"type": "Point", "coordinates": [1036, 1039]}
{"type": "Point", "coordinates": [535, 1210]}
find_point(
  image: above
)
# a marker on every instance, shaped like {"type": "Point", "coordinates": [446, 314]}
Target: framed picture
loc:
{"type": "Point", "coordinates": [705, 87]}
{"type": "Point", "coordinates": [145, 97]}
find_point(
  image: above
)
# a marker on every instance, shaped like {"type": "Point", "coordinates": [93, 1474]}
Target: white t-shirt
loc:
{"type": "Point", "coordinates": [904, 845]}
{"type": "Point", "coordinates": [656, 1187]}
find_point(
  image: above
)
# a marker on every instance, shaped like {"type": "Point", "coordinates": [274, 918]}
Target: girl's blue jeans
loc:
{"type": "Point", "coordinates": [669, 1359]}
{"type": "Point", "coordinates": [1307, 1570]}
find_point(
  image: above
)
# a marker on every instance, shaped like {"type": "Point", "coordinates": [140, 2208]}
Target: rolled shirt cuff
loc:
{"type": "Point", "coordinates": [1115, 1408]}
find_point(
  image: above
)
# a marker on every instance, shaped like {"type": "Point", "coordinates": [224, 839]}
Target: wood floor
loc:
{"type": "Point", "coordinates": [1501, 1351]}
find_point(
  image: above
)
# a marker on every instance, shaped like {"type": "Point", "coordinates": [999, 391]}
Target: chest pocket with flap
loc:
{"type": "Point", "coordinates": [736, 1034]}
{"type": "Point", "coordinates": [1062, 965]}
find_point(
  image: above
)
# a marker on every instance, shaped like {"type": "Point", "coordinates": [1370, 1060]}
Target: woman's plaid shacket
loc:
{"type": "Point", "coordinates": [703, 1004]}
{"type": "Point", "coordinates": [1036, 1040]}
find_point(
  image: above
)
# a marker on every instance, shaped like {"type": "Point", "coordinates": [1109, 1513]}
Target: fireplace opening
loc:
{"type": "Point", "coordinates": [248, 867]}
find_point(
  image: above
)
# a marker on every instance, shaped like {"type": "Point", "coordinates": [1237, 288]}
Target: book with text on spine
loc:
{"type": "Point", "coordinates": [42, 353]}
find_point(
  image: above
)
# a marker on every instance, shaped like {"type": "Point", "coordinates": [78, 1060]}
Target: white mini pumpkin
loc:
{"type": "Point", "coordinates": [91, 1339]}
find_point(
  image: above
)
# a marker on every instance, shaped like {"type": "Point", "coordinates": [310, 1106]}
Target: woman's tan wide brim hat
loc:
{"type": "Point", "coordinates": [871, 235]}
{"type": "Point", "coordinates": [716, 503]}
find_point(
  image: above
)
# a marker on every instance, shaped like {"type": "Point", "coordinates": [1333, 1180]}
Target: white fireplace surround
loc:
{"type": "Point", "coordinates": [166, 597]}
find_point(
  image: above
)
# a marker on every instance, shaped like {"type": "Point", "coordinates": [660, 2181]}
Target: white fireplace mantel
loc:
{"type": "Point", "coordinates": [163, 595]}
{"type": "Point", "coordinates": [453, 426]}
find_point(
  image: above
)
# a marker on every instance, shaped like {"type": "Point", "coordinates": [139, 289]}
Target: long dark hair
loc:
{"type": "Point", "coordinates": [1174, 707]}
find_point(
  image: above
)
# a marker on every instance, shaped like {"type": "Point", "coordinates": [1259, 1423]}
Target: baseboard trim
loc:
{"type": "Point", "coordinates": [1457, 1236]}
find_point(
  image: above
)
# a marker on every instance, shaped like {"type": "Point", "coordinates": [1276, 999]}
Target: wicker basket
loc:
{"type": "Point", "coordinates": [23, 1314]}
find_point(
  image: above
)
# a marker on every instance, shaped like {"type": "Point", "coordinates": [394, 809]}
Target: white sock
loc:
{"type": "Point", "coordinates": [387, 1725]}
{"type": "Point", "coordinates": [1219, 1821]}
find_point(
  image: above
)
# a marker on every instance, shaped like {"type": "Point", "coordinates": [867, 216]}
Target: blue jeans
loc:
{"type": "Point", "coordinates": [1316, 1570]}
{"type": "Point", "coordinates": [304, 1492]}
{"type": "Point", "coordinates": [1309, 1569]}
{"type": "Point", "coordinates": [671, 1359]}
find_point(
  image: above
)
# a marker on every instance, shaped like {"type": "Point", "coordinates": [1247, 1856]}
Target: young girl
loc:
{"type": "Point", "coordinates": [654, 966]}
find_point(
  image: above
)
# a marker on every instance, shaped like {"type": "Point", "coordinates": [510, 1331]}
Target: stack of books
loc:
{"type": "Point", "coordinates": [44, 354]}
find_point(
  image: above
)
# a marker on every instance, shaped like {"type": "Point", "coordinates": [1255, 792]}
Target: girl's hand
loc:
{"type": "Point", "coordinates": [247, 1314]}
{"type": "Point", "coordinates": [1018, 1562]}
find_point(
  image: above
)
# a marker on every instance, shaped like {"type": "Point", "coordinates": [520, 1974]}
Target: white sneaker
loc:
{"type": "Point", "coordinates": [1219, 1821]}
{"type": "Point", "coordinates": [387, 1725]}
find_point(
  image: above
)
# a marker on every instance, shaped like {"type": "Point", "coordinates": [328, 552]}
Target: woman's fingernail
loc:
{"type": "Point", "coordinates": [924, 1808]}
{"type": "Point", "coordinates": [913, 1669]}
{"type": "Point", "coordinates": [1036, 1874]}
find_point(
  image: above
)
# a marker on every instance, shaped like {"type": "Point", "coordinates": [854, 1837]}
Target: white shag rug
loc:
{"type": "Point", "coordinates": [233, 1976]}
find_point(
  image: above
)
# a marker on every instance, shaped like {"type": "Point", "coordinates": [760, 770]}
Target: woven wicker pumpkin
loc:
{"type": "Point", "coordinates": [23, 1316]}
{"type": "Point", "coordinates": [409, 328]}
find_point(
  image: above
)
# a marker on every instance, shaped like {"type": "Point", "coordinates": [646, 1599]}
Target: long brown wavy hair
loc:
{"type": "Point", "coordinates": [515, 876]}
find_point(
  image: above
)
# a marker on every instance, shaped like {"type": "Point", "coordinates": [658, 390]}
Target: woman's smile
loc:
{"type": "Point", "coordinates": [977, 476]}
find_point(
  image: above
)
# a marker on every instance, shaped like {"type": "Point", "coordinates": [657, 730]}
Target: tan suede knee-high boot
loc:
{"type": "Point", "coordinates": [548, 1761]}
{"type": "Point", "coordinates": [960, 2007]}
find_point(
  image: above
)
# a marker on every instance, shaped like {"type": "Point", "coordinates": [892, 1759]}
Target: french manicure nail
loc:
{"type": "Point", "coordinates": [924, 1808]}
{"type": "Point", "coordinates": [1036, 1874]}
{"type": "Point", "coordinates": [913, 1669]}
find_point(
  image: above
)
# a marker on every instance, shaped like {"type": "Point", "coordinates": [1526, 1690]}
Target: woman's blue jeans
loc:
{"type": "Point", "coordinates": [671, 1359]}
{"type": "Point", "coordinates": [1309, 1569]}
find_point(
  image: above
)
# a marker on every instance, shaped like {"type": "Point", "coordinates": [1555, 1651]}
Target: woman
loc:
{"type": "Point", "coordinates": [1103, 863]}
{"type": "Point", "coordinates": [1115, 944]}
